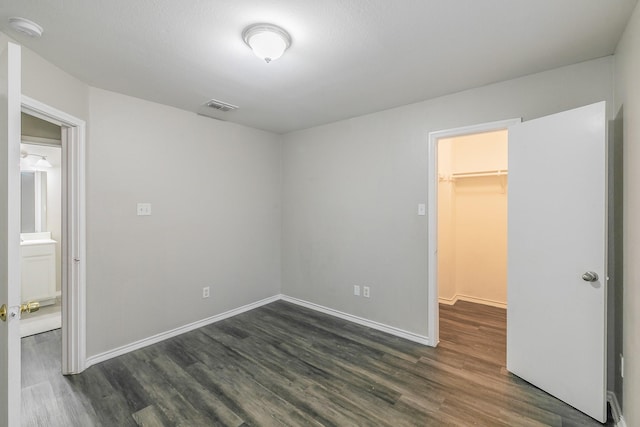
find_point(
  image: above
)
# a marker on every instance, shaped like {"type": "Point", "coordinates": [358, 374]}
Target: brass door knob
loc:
{"type": "Point", "coordinates": [30, 307]}
{"type": "Point", "coordinates": [3, 312]}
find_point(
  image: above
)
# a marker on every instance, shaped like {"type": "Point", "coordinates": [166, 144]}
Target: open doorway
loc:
{"type": "Point", "coordinates": [73, 235]}
{"type": "Point", "coordinates": [53, 144]}
{"type": "Point", "coordinates": [467, 203]}
{"type": "Point", "coordinates": [41, 224]}
{"type": "Point", "coordinates": [472, 243]}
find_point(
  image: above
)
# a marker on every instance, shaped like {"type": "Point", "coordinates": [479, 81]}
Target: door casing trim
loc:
{"type": "Point", "coordinates": [73, 232]}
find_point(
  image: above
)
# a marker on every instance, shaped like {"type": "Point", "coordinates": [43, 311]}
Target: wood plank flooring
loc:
{"type": "Point", "coordinates": [282, 364]}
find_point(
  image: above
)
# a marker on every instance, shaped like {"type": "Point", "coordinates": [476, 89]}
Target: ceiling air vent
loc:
{"type": "Point", "coordinates": [221, 106]}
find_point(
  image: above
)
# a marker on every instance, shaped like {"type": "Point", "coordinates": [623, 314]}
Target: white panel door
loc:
{"type": "Point", "coordinates": [556, 330]}
{"type": "Point", "coordinates": [10, 101]}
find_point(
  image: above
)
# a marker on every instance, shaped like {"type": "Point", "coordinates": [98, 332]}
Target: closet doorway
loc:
{"type": "Point", "coordinates": [468, 218]}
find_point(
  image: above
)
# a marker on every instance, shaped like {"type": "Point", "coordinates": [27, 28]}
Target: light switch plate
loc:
{"type": "Point", "coordinates": [422, 209]}
{"type": "Point", "coordinates": [144, 209]}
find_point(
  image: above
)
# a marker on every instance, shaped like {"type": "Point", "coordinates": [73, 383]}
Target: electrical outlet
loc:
{"type": "Point", "coordinates": [144, 209]}
{"type": "Point", "coordinates": [356, 290]}
{"type": "Point", "coordinates": [205, 292]}
{"type": "Point", "coordinates": [366, 291]}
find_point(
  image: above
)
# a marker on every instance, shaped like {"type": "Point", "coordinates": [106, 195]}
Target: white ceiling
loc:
{"type": "Point", "coordinates": [348, 57]}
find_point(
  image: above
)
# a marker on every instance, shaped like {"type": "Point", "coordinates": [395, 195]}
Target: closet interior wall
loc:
{"type": "Point", "coordinates": [472, 218]}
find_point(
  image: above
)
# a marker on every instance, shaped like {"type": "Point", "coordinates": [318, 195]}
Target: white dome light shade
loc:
{"type": "Point", "coordinates": [267, 41]}
{"type": "Point", "coordinates": [43, 163]}
{"type": "Point", "coordinates": [268, 46]}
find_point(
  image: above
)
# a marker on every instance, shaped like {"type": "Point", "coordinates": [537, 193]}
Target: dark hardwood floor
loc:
{"type": "Point", "coordinates": [286, 365]}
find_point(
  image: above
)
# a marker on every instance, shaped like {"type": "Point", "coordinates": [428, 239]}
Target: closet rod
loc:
{"type": "Point", "coordinates": [479, 174]}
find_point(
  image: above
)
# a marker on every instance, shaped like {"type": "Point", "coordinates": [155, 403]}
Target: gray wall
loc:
{"type": "Point", "coordinates": [33, 126]}
{"type": "Point", "coordinates": [47, 83]}
{"type": "Point", "coordinates": [627, 94]}
{"type": "Point", "coordinates": [351, 189]}
{"type": "Point", "coordinates": [215, 194]}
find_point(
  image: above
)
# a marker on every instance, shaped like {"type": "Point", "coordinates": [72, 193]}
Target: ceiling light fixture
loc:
{"type": "Point", "coordinates": [267, 41]}
{"type": "Point", "coordinates": [26, 27]}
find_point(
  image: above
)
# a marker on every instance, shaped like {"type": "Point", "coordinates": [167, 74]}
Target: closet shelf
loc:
{"type": "Point", "coordinates": [500, 173]}
{"type": "Point", "coordinates": [479, 174]}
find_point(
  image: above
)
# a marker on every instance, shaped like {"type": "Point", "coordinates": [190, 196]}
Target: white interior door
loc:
{"type": "Point", "coordinates": [10, 99]}
{"type": "Point", "coordinates": [556, 330]}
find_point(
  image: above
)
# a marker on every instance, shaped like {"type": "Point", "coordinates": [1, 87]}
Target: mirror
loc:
{"type": "Point", "coordinates": [33, 201]}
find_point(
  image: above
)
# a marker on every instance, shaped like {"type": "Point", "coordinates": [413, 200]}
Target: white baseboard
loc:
{"type": "Point", "coordinates": [460, 297]}
{"type": "Point", "coordinates": [177, 331]}
{"type": "Point", "coordinates": [39, 324]}
{"type": "Point", "coordinates": [360, 321]}
{"type": "Point", "coordinates": [448, 301]}
{"type": "Point", "coordinates": [616, 411]}
{"type": "Point", "coordinates": [200, 323]}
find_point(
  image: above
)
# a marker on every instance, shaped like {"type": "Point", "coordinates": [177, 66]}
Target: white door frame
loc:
{"type": "Point", "coordinates": [10, 357]}
{"type": "Point", "coordinates": [433, 315]}
{"type": "Point", "coordinates": [73, 232]}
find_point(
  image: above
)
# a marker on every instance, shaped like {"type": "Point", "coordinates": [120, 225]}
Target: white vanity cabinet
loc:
{"type": "Point", "coordinates": [38, 266]}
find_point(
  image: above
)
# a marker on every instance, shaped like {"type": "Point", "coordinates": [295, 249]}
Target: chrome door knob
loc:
{"type": "Point", "coordinates": [590, 276]}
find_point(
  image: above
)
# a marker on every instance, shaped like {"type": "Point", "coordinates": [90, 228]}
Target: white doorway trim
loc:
{"type": "Point", "coordinates": [432, 201]}
{"type": "Point", "coordinates": [73, 232]}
